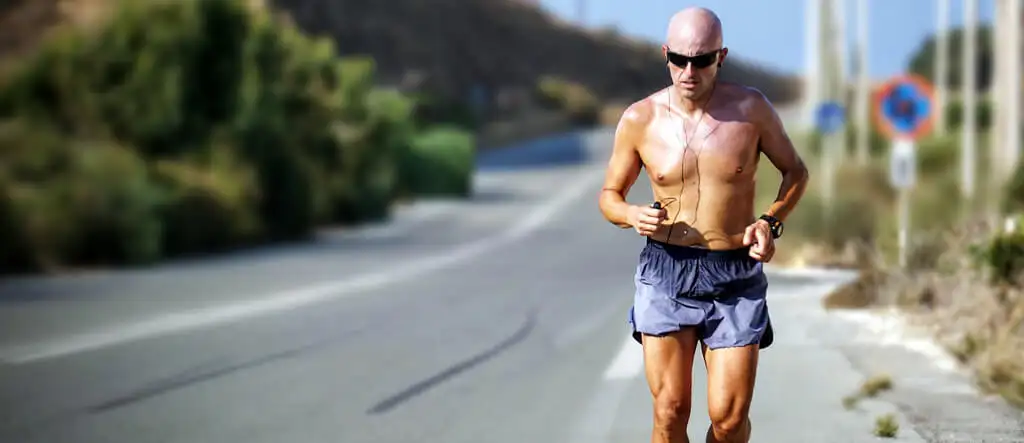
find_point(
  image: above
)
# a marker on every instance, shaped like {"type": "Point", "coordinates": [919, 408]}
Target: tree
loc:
{"type": "Point", "coordinates": [923, 61]}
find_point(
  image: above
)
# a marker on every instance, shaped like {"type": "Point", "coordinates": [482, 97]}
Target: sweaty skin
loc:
{"type": "Point", "coordinates": [700, 140]}
{"type": "Point", "coordinates": [706, 188]}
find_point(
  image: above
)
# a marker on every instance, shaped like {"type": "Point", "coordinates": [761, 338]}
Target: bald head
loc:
{"type": "Point", "coordinates": [693, 31]}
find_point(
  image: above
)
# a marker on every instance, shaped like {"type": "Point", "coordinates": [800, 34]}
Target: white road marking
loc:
{"type": "Point", "coordinates": [628, 363]}
{"type": "Point", "coordinates": [597, 420]}
{"type": "Point", "coordinates": [191, 320]}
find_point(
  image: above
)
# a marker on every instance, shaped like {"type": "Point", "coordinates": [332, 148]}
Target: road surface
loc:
{"type": "Point", "coordinates": [500, 319]}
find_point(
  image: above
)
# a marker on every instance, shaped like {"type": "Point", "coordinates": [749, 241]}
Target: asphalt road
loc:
{"type": "Point", "coordinates": [500, 319]}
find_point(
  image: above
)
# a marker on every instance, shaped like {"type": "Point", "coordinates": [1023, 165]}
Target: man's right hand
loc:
{"type": "Point", "coordinates": [645, 220]}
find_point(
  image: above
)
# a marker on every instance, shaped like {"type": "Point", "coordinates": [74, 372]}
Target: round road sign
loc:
{"type": "Point", "coordinates": [903, 107]}
{"type": "Point", "coordinates": [829, 117]}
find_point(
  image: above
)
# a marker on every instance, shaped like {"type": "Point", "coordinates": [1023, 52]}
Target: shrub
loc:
{"type": "Point", "coordinates": [1002, 255]}
{"type": "Point", "coordinates": [210, 207]}
{"type": "Point", "coordinates": [441, 163]}
{"type": "Point", "coordinates": [1013, 197]}
{"type": "Point", "coordinates": [582, 106]}
{"type": "Point", "coordinates": [100, 207]}
{"type": "Point", "coordinates": [955, 113]}
{"type": "Point", "coordinates": [231, 128]}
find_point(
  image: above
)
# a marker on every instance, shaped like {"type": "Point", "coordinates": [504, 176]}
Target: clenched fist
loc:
{"type": "Point", "coordinates": [645, 220]}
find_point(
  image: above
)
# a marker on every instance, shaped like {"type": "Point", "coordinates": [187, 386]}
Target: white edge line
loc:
{"type": "Point", "coordinates": [628, 363]}
{"type": "Point", "coordinates": [191, 320]}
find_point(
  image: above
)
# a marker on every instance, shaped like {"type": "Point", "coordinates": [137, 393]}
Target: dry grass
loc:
{"type": "Point", "coordinates": [941, 288]}
{"type": "Point", "coordinates": [869, 389]}
{"type": "Point", "coordinates": [886, 426]}
{"type": "Point", "coordinates": [875, 385]}
{"type": "Point", "coordinates": [981, 324]}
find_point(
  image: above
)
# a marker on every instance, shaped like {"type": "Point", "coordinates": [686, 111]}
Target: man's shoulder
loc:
{"type": "Point", "coordinates": [744, 95]}
{"type": "Point", "coordinates": [640, 113]}
{"type": "Point", "coordinates": [749, 101]}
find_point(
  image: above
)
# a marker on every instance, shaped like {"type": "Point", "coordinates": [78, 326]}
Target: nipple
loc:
{"type": "Point", "coordinates": [661, 176]}
{"type": "Point", "coordinates": [739, 169]}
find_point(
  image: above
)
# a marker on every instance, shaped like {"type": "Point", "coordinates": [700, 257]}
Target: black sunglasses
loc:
{"type": "Point", "coordinates": [699, 61]}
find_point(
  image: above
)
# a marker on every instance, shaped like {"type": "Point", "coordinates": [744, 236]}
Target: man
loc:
{"type": "Point", "coordinates": [699, 277]}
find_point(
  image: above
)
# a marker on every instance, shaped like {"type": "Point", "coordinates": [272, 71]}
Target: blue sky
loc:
{"type": "Point", "coordinates": [771, 32]}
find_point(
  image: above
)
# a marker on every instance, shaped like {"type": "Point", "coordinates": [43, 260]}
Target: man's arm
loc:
{"type": "Point", "coordinates": [623, 168]}
{"type": "Point", "coordinates": [777, 146]}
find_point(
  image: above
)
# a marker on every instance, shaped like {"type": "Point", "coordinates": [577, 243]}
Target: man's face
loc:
{"type": "Point", "coordinates": [693, 72]}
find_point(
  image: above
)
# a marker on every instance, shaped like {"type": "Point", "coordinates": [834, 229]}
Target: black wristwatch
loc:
{"type": "Point", "coordinates": [774, 224]}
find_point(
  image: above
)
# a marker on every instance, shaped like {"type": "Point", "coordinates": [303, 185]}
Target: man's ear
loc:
{"type": "Point", "coordinates": [664, 51]}
{"type": "Point", "coordinates": [722, 56]}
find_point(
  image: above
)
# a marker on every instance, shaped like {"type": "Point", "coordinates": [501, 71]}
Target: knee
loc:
{"type": "Point", "coordinates": [671, 411]}
{"type": "Point", "coordinates": [728, 422]}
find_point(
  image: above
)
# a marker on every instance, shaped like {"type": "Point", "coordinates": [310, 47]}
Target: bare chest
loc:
{"type": "Point", "coordinates": [719, 151]}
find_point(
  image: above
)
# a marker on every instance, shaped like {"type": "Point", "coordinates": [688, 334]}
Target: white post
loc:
{"type": "Point", "coordinates": [839, 57]}
{"type": "Point", "coordinates": [969, 89]}
{"type": "Point", "coordinates": [812, 60]}
{"type": "Point", "coordinates": [902, 175]}
{"type": "Point", "coordinates": [863, 85]}
{"type": "Point", "coordinates": [942, 67]}
{"type": "Point", "coordinates": [1013, 86]}
{"type": "Point", "coordinates": [904, 232]}
{"type": "Point", "coordinates": [997, 97]}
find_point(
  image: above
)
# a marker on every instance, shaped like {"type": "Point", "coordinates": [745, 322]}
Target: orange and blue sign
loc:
{"type": "Point", "coordinates": [904, 106]}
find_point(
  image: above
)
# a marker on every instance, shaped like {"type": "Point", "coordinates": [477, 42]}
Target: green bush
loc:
{"type": "Point", "coordinates": [1013, 197]}
{"type": "Point", "coordinates": [955, 113]}
{"type": "Point", "coordinates": [97, 206]}
{"type": "Point", "coordinates": [937, 155]}
{"type": "Point", "coordinates": [231, 128]}
{"type": "Point", "coordinates": [210, 207]}
{"type": "Point", "coordinates": [1002, 255]}
{"type": "Point", "coordinates": [441, 163]}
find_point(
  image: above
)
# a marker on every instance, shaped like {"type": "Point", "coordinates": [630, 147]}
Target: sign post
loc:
{"type": "Point", "coordinates": [830, 120]}
{"type": "Point", "coordinates": [903, 112]}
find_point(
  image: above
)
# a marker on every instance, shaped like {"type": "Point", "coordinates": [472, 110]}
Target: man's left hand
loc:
{"type": "Point", "coordinates": [759, 237]}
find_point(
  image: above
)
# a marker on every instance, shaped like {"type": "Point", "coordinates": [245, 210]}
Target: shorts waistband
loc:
{"type": "Point", "coordinates": [694, 252]}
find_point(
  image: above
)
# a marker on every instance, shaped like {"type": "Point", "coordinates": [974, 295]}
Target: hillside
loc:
{"type": "Point", "coordinates": [493, 50]}
{"type": "Point", "coordinates": [503, 45]}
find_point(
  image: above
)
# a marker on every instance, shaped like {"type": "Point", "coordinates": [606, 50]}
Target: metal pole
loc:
{"type": "Point", "coordinates": [942, 67]}
{"type": "Point", "coordinates": [829, 80]}
{"type": "Point", "coordinates": [812, 60]}
{"type": "Point", "coordinates": [904, 226]}
{"type": "Point", "coordinates": [1013, 87]}
{"type": "Point", "coordinates": [828, 166]}
{"type": "Point", "coordinates": [837, 16]}
{"type": "Point", "coordinates": [969, 89]}
{"type": "Point", "coordinates": [996, 94]}
{"type": "Point", "coordinates": [863, 101]}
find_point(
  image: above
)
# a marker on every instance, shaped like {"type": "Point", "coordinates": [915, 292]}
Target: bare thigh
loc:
{"type": "Point", "coordinates": [668, 363]}
{"type": "Point", "coordinates": [732, 373]}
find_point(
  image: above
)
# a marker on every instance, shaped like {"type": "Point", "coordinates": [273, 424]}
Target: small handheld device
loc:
{"type": "Point", "coordinates": [656, 205]}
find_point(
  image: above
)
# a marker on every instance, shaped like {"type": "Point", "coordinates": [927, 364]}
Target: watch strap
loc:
{"type": "Point", "coordinates": [773, 223]}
